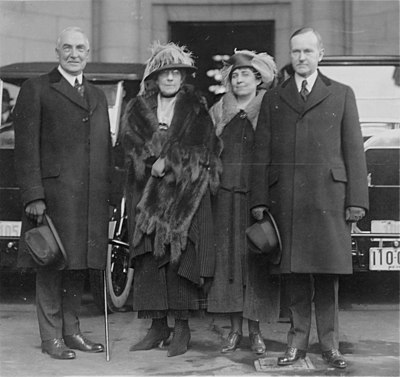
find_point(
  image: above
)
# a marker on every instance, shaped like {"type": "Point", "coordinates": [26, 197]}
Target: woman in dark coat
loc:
{"type": "Point", "coordinates": [242, 286]}
{"type": "Point", "coordinates": [172, 164]}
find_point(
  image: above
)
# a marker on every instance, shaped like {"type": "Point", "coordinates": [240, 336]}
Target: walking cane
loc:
{"type": "Point", "coordinates": [106, 316]}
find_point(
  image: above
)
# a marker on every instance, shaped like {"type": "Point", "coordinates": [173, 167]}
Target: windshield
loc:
{"type": "Point", "coordinates": [377, 91]}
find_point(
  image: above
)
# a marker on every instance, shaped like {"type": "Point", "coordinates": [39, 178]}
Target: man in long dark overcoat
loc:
{"type": "Point", "coordinates": [63, 161]}
{"type": "Point", "coordinates": [311, 173]}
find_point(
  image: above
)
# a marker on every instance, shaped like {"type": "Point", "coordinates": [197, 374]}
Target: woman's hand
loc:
{"type": "Point", "coordinates": [158, 168]}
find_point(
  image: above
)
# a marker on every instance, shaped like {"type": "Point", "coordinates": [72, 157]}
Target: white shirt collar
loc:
{"type": "Point", "coordinates": [310, 80]}
{"type": "Point", "coordinates": [70, 78]}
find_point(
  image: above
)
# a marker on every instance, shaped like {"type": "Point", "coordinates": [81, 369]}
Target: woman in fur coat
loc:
{"type": "Point", "coordinates": [173, 166]}
{"type": "Point", "coordinates": [242, 285]}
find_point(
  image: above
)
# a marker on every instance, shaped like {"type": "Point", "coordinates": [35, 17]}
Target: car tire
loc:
{"type": "Point", "coordinates": [119, 274]}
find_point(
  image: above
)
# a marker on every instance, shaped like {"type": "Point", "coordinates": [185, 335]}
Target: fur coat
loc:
{"type": "Point", "coordinates": [165, 206]}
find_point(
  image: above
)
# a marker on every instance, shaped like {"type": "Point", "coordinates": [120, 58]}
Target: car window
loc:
{"type": "Point", "coordinates": [114, 93]}
{"type": "Point", "coordinates": [7, 138]}
{"type": "Point", "coordinates": [377, 91]}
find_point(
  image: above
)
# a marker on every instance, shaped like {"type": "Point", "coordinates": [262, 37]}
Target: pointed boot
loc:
{"type": "Point", "coordinates": [158, 334]}
{"type": "Point", "coordinates": [181, 338]}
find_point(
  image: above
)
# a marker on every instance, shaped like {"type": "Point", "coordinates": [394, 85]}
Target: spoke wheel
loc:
{"type": "Point", "coordinates": [119, 275]}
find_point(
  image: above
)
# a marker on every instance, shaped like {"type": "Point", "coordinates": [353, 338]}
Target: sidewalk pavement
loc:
{"type": "Point", "coordinates": [369, 339]}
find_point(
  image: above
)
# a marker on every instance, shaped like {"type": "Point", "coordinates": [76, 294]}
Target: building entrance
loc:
{"type": "Point", "coordinates": [210, 42]}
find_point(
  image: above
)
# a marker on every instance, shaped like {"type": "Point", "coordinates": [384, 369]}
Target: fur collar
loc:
{"type": "Point", "coordinates": [227, 108]}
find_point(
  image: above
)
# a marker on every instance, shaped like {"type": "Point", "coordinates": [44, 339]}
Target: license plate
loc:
{"type": "Point", "coordinates": [384, 259]}
{"type": "Point", "coordinates": [10, 228]}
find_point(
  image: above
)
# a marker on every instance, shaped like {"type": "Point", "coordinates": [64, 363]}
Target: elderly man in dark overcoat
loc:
{"type": "Point", "coordinates": [311, 173]}
{"type": "Point", "coordinates": [63, 161]}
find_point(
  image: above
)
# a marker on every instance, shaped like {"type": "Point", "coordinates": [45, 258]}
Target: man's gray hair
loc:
{"type": "Point", "coordinates": [72, 28]}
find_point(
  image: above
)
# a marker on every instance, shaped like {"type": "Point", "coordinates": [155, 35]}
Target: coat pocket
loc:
{"type": "Point", "coordinates": [51, 171]}
{"type": "Point", "coordinates": [273, 178]}
{"type": "Point", "coordinates": [339, 174]}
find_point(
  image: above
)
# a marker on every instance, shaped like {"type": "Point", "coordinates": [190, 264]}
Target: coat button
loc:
{"type": "Point", "coordinates": [86, 119]}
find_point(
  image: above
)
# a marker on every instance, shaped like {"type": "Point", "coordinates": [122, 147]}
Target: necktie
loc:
{"type": "Point", "coordinates": [80, 88]}
{"type": "Point", "coordinates": [304, 91]}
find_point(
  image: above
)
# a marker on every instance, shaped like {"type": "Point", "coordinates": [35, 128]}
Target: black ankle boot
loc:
{"type": "Point", "coordinates": [159, 332]}
{"type": "Point", "coordinates": [180, 340]}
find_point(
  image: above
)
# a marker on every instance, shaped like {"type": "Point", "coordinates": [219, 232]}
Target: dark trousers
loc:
{"type": "Point", "coordinates": [58, 299]}
{"type": "Point", "coordinates": [323, 290]}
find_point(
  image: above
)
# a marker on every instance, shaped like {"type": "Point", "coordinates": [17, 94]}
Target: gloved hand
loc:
{"type": "Point", "coordinates": [35, 211]}
{"type": "Point", "coordinates": [205, 284]}
{"type": "Point", "coordinates": [354, 214]}
{"type": "Point", "coordinates": [258, 212]}
{"type": "Point", "coordinates": [158, 168]}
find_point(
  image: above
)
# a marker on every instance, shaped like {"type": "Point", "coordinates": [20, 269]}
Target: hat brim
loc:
{"type": "Point", "coordinates": [64, 263]}
{"type": "Point", "coordinates": [263, 238]}
{"type": "Point", "coordinates": [275, 225]}
{"type": "Point", "coordinates": [170, 66]}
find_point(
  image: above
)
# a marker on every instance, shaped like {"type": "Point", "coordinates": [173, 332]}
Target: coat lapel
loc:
{"type": "Point", "coordinates": [318, 93]}
{"type": "Point", "coordinates": [90, 95]}
{"type": "Point", "coordinates": [59, 83]}
{"type": "Point", "coordinates": [291, 96]}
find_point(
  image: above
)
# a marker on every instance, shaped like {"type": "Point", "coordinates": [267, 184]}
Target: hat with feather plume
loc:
{"type": "Point", "coordinates": [167, 56]}
{"type": "Point", "coordinates": [261, 62]}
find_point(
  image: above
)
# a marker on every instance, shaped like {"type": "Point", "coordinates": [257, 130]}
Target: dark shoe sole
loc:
{"type": "Point", "coordinates": [87, 351]}
{"type": "Point", "coordinates": [59, 357]}
{"type": "Point", "coordinates": [335, 366]}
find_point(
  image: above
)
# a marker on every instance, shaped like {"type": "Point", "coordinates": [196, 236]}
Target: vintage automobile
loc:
{"type": "Point", "coordinates": [376, 83]}
{"type": "Point", "coordinates": [376, 238]}
{"type": "Point", "coordinates": [120, 82]}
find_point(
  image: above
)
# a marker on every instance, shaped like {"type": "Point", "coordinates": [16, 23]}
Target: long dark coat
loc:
{"type": "Point", "coordinates": [242, 281]}
{"type": "Point", "coordinates": [183, 236]}
{"type": "Point", "coordinates": [310, 166]}
{"type": "Point", "coordinates": [63, 156]}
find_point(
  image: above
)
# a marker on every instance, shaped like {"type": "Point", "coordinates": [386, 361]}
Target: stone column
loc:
{"type": "Point", "coordinates": [116, 30]}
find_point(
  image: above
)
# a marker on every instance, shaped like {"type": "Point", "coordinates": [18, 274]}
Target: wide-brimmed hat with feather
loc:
{"type": "Point", "coordinates": [261, 62]}
{"type": "Point", "coordinates": [167, 56]}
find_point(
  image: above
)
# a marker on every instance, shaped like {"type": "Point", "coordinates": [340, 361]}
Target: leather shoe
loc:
{"type": "Point", "coordinates": [291, 355]}
{"type": "Point", "coordinates": [257, 343]}
{"type": "Point", "coordinates": [232, 342]}
{"type": "Point", "coordinates": [334, 358]}
{"type": "Point", "coordinates": [79, 342]}
{"type": "Point", "coordinates": [57, 349]}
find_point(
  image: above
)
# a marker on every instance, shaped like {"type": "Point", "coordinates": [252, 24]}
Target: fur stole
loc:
{"type": "Point", "coordinates": [227, 108]}
{"type": "Point", "coordinates": [191, 150]}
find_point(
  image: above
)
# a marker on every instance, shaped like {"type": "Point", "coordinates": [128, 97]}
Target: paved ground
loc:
{"type": "Point", "coordinates": [369, 340]}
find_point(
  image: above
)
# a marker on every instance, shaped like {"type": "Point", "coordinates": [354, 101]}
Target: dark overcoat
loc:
{"type": "Point", "coordinates": [63, 156]}
{"type": "Point", "coordinates": [242, 281]}
{"type": "Point", "coordinates": [310, 166]}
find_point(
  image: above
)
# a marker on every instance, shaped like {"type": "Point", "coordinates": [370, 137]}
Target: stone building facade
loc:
{"type": "Point", "coordinates": [121, 30]}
